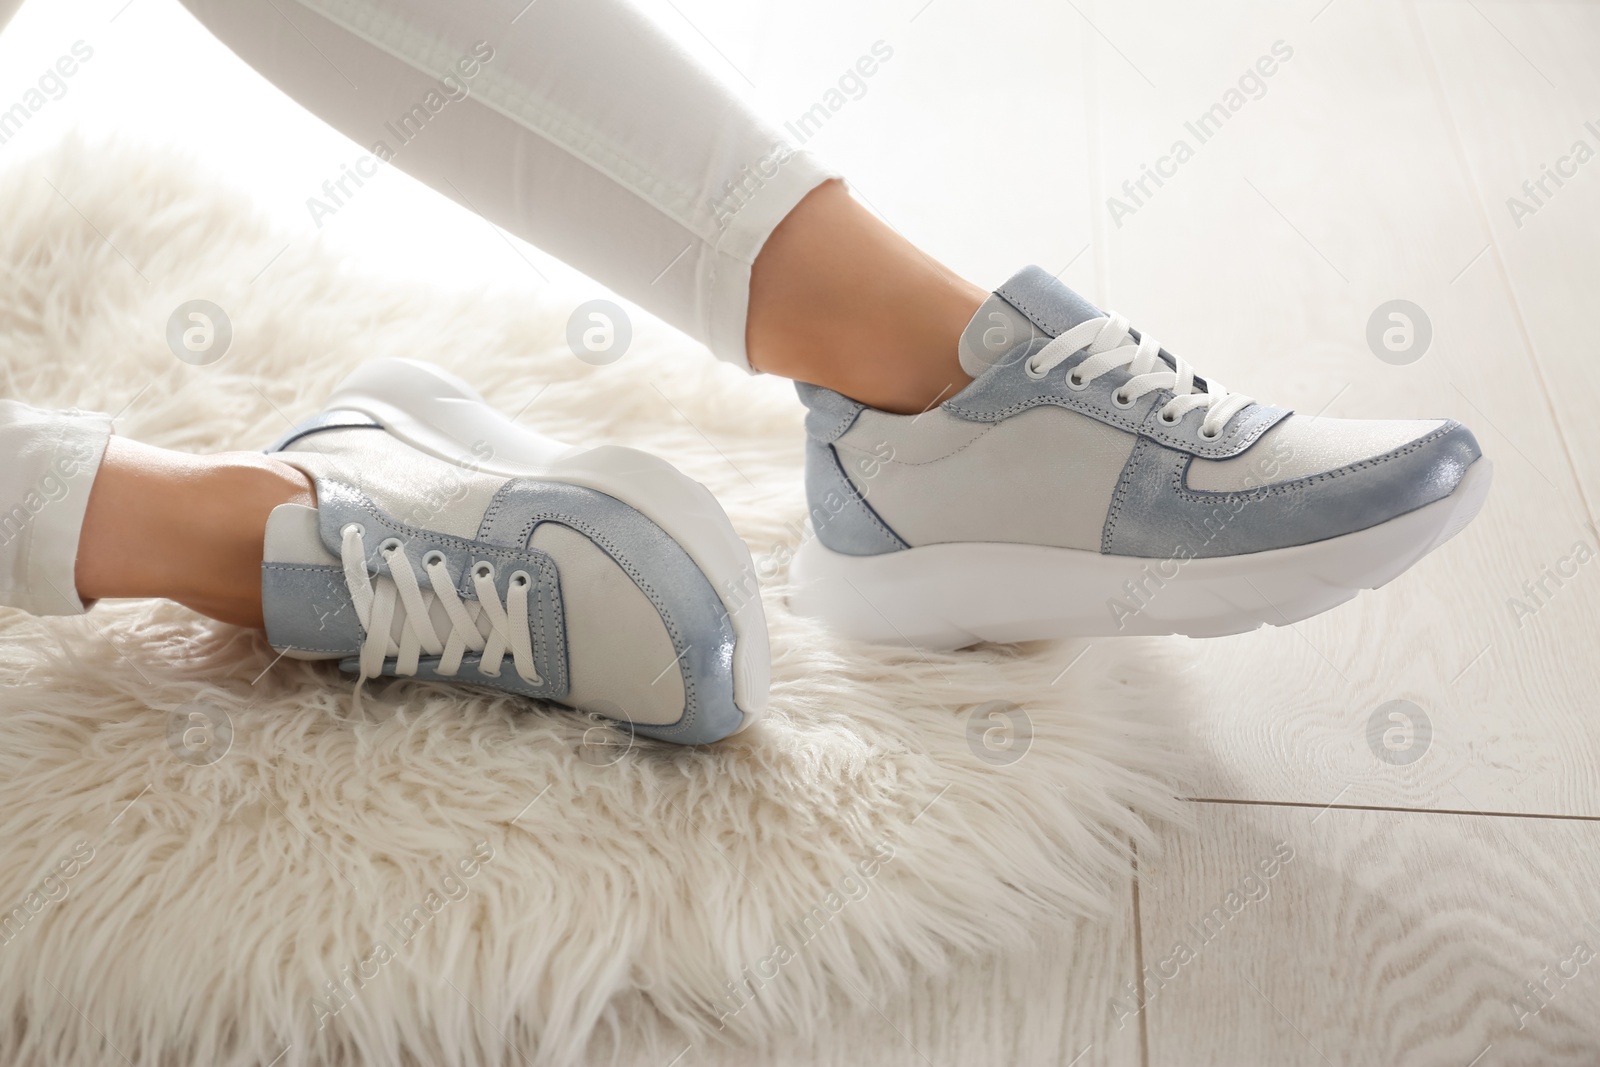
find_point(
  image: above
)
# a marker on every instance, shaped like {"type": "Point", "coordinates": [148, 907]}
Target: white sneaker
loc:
{"type": "Point", "coordinates": [1087, 483]}
{"type": "Point", "coordinates": [450, 544]}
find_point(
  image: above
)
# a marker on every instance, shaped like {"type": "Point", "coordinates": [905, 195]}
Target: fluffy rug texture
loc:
{"type": "Point", "coordinates": [447, 877]}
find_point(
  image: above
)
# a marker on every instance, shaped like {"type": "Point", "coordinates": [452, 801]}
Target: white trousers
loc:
{"type": "Point", "coordinates": [574, 124]}
{"type": "Point", "coordinates": [50, 460]}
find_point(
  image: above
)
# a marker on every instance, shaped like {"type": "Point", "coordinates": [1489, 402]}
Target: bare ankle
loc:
{"type": "Point", "coordinates": [838, 299]}
{"type": "Point", "coordinates": [188, 528]}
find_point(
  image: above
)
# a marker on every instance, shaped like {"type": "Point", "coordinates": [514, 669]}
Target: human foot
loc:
{"type": "Point", "coordinates": [446, 541]}
{"type": "Point", "coordinates": [1086, 483]}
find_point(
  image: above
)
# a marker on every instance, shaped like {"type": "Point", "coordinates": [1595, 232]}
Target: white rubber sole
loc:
{"type": "Point", "coordinates": [438, 413]}
{"type": "Point", "coordinates": [953, 595]}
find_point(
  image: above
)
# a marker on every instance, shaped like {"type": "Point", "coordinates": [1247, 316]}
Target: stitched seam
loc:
{"type": "Point", "coordinates": [503, 94]}
{"type": "Point", "coordinates": [1088, 410]}
{"type": "Point", "coordinates": [1239, 444]}
{"type": "Point", "coordinates": [691, 705]}
{"type": "Point", "coordinates": [1015, 302]}
{"type": "Point", "coordinates": [854, 494]}
{"type": "Point", "coordinates": [840, 426]}
{"type": "Point", "coordinates": [1114, 512]}
{"type": "Point", "coordinates": [988, 428]}
{"type": "Point", "coordinates": [1299, 485]}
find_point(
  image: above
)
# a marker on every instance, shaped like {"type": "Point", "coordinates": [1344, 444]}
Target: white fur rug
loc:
{"type": "Point", "coordinates": [453, 878]}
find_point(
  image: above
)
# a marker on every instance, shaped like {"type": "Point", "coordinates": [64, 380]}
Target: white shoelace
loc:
{"type": "Point", "coordinates": [378, 600]}
{"type": "Point", "coordinates": [1110, 347]}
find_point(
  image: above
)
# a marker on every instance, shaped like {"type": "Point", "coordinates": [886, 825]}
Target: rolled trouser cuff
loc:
{"type": "Point", "coordinates": [747, 216]}
{"type": "Point", "coordinates": [52, 458]}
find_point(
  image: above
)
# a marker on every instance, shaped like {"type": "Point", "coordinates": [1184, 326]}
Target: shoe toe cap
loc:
{"type": "Point", "coordinates": [1283, 493]}
{"type": "Point", "coordinates": [648, 640]}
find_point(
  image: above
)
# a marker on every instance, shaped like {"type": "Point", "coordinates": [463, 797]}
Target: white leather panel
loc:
{"type": "Point", "coordinates": [912, 438]}
{"type": "Point", "coordinates": [1044, 476]}
{"type": "Point", "coordinates": [414, 488]}
{"type": "Point", "coordinates": [618, 652]}
{"type": "Point", "coordinates": [1301, 446]}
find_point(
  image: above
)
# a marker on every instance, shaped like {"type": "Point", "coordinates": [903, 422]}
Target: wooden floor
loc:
{"type": "Point", "coordinates": [1357, 889]}
{"type": "Point", "coordinates": [1441, 902]}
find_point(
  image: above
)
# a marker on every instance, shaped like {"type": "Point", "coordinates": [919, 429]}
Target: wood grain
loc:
{"type": "Point", "coordinates": [1261, 260]}
{"type": "Point", "coordinates": [1049, 1007]}
{"type": "Point", "coordinates": [1387, 938]}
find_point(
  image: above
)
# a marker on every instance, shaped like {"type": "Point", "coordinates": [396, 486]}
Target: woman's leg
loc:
{"type": "Point", "coordinates": [188, 528]}
{"type": "Point", "coordinates": [581, 127]}
{"type": "Point", "coordinates": [839, 299]}
{"type": "Point", "coordinates": [88, 515]}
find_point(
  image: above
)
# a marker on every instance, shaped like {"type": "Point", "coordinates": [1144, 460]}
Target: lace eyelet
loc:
{"type": "Point", "coordinates": [1118, 401]}
{"type": "Point", "coordinates": [520, 579]}
{"type": "Point", "coordinates": [1212, 436]}
{"type": "Point", "coordinates": [483, 569]}
{"type": "Point", "coordinates": [433, 556]}
{"type": "Point", "coordinates": [1168, 420]}
{"type": "Point", "coordinates": [1075, 383]}
{"type": "Point", "coordinates": [389, 544]}
{"type": "Point", "coordinates": [1031, 370]}
{"type": "Point", "coordinates": [360, 530]}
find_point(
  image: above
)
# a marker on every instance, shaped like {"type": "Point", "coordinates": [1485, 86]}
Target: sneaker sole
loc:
{"type": "Point", "coordinates": [438, 413]}
{"type": "Point", "coordinates": [952, 595]}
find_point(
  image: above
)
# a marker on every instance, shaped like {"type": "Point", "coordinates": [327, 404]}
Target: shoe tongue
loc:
{"type": "Point", "coordinates": [294, 536]}
{"type": "Point", "coordinates": [1033, 304]}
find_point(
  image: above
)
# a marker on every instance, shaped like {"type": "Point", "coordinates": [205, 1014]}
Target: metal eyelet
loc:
{"type": "Point", "coordinates": [1117, 400]}
{"type": "Point", "coordinates": [1075, 383]}
{"type": "Point", "coordinates": [1031, 370]}
{"type": "Point", "coordinates": [433, 556]}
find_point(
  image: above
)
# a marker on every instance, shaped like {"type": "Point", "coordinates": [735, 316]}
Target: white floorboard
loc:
{"type": "Point", "coordinates": [1388, 938]}
{"type": "Point", "coordinates": [1261, 260]}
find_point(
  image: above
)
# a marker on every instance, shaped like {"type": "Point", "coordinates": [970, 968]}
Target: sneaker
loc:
{"type": "Point", "coordinates": [450, 544]}
{"type": "Point", "coordinates": [1087, 483]}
